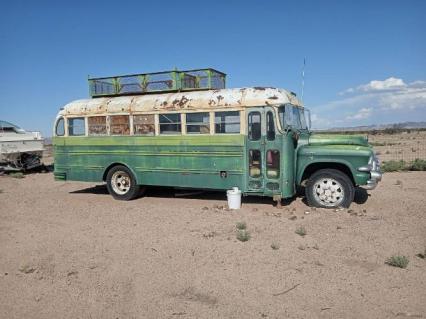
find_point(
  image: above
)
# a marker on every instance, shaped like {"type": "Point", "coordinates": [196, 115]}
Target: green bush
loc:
{"type": "Point", "coordinates": [394, 166]}
{"type": "Point", "coordinates": [241, 225]}
{"type": "Point", "coordinates": [397, 261]}
{"type": "Point", "coordinates": [243, 235]}
{"type": "Point", "coordinates": [418, 165]}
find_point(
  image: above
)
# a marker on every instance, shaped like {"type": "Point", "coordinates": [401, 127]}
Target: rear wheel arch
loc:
{"type": "Point", "coordinates": [105, 174]}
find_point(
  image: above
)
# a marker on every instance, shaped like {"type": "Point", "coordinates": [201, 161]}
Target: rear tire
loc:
{"type": "Point", "coordinates": [329, 188]}
{"type": "Point", "coordinates": [121, 183]}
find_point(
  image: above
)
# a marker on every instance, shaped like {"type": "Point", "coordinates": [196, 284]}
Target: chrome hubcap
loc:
{"type": "Point", "coordinates": [328, 192]}
{"type": "Point", "coordinates": [120, 182]}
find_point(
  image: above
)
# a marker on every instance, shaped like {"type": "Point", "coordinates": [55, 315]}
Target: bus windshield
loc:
{"type": "Point", "coordinates": [291, 116]}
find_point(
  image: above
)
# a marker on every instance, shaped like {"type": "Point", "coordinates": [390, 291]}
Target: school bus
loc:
{"type": "Point", "coordinates": [185, 129]}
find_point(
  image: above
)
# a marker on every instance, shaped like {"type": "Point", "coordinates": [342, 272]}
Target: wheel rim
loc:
{"type": "Point", "coordinates": [120, 182]}
{"type": "Point", "coordinates": [329, 192]}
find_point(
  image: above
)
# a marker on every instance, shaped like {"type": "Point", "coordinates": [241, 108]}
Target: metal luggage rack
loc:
{"type": "Point", "coordinates": [167, 81]}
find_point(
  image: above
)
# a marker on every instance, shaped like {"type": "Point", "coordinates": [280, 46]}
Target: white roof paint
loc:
{"type": "Point", "coordinates": [193, 100]}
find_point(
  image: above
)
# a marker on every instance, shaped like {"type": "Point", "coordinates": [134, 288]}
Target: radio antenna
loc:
{"type": "Point", "coordinates": [303, 78]}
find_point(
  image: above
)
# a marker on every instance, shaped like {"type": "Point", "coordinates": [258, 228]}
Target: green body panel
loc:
{"type": "Point", "coordinates": [184, 161]}
{"type": "Point", "coordinates": [351, 151]}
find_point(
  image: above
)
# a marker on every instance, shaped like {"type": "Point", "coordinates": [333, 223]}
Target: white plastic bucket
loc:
{"type": "Point", "coordinates": [234, 198]}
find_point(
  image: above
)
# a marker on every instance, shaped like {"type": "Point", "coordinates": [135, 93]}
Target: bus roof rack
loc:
{"type": "Point", "coordinates": [157, 82]}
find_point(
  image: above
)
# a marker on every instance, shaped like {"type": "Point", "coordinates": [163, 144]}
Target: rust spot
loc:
{"type": "Point", "coordinates": [239, 102]}
{"type": "Point", "coordinates": [164, 104]}
{"type": "Point", "coordinates": [267, 103]}
{"type": "Point", "coordinates": [216, 91]}
{"type": "Point", "coordinates": [212, 102]}
{"type": "Point", "coordinates": [273, 97]}
{"type": "Point", "coordinates": [226, 104]}
{"type": "Point", "coordinates": [183, 101]}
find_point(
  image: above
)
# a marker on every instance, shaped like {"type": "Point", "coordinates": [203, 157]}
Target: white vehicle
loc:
{"type": "Point", "coordinates": [19, 149]}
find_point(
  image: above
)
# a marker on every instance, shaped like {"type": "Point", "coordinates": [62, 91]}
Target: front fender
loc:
{"type": "Point", "coordinates": [334, 155]}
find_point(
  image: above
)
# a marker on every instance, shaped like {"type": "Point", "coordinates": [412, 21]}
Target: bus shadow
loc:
{"type": "Point", "coordinates": [168, 192]}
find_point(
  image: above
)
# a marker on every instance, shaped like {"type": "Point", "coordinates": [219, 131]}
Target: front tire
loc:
{"type": "Point", "coordinates": [121, 183]}
{"type": "Point", "coordinates": [329, 188]}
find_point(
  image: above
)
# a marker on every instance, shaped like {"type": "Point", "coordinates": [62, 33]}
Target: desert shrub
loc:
{"type": "Point", "coordinates": [418, 165]}
{"type": "Point", "coordinates": [243, 235]}
{"type": "Point", "coordinates": [275, 246]}
{"type": "Point", "coordinates": [241, 225]}
{"type": "Point", "coordinates": [393, 166]}
{"type": "Point", "coordinates": [301, 231]}
{"type": "Point", "coordinates": [397, 261]}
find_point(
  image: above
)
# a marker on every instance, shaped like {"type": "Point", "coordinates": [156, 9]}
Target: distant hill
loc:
{"type": "Point", "coordinates": [377, 127]}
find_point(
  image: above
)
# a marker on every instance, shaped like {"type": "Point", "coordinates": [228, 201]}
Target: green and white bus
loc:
{"type": "Point", "coordinates": [256, 139]}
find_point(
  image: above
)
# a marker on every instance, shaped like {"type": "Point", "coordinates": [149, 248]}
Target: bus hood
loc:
{"type": "Point", "coordinates": [336, 139]}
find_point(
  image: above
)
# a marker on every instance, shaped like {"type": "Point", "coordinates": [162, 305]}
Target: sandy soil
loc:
{"type": "Point", "coordinates": [68, 250]}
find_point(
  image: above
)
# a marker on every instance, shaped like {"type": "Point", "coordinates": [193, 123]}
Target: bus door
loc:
{"type": "Point", "coordinates": [263, 152]}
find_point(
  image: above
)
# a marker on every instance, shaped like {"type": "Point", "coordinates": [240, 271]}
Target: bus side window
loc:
{"type": "Point", "coordinates": [170, 123]}
{"type": "Point", "coordinates": [254, 126]}
{"type": "Point", "coordinates": [60, 127]}
{"type": "Point", "coordinates": [76, 126]}
{"type": "Point", "coordinates": [144, 124]}
{"type": "Point", "coordinates": [270, 127]}
{"type": "Point", "coordinates": [119, 125]}
{"type": "Point", "coordinates": [227, 122]}
{"type": "Point", "coordinates": [198, 123]}
{"type": "Point", "coordinates": [97, 125]}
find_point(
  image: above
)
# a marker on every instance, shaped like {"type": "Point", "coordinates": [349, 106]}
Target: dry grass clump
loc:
{"type": "Point", "coordinates": [301, 231]}
{"type": "Point", "coordinates": [397, 261]}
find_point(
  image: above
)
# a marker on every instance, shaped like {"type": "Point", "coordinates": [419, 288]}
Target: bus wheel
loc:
{"type": "Point", "coordinates": [121, 183]}
{"type": "Point", "coordinates": [329, 188]}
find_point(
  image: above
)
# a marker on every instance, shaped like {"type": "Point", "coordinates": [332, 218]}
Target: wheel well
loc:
{"type": "Point", "coordinates": [104, 176]}
{"type": "Point", "coordinates": [312, 168]}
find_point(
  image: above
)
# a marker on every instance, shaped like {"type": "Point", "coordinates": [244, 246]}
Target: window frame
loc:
{"type": "Point", "coordinates": [180, 123]}
{"type": "Point", "coordinates": [69, 119]}
{"type": "Point", "coordinates": [199, 124]}
{"type": "Point", "coordinates": [106, 125]}
{"type": "Point", "coordinates": [228, 111]}
{"type": "Point", "coordinates": [153, 124]}
{"type": "Point", "coordinates": [250, 131]}
{"type": "Point", "coordinates": [110, 125]}
{"type": "Point", "coordinates": [56, 126]}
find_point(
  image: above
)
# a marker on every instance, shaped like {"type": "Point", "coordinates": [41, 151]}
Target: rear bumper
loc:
{"type": "Point", "coordinates": [373, 168]}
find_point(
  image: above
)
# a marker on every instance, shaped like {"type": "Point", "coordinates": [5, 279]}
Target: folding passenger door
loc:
{"type": "Point", "coordinates": [263, 152]}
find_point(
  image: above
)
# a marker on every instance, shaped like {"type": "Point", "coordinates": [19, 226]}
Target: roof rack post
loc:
{"type": "Point", "coordinates": [209, 75]}
{"type": "Point", "coordinates": [116, 83]}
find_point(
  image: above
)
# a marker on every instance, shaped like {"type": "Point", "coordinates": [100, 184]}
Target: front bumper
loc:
{"type": "Point", "coordinates": [373, 168]}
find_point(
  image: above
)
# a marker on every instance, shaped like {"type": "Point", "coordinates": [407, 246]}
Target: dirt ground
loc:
{"type": "Point", "coordinates": [68, 250]}
{"type": "Point", "coordinates": [407, 145]}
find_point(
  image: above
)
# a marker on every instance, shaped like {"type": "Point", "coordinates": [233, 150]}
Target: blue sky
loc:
{"type": "Point", "coordinates": [365, 59]}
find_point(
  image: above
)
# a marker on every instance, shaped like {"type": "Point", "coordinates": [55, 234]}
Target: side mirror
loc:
{"type": "Point", "coordinates": [308, 113]}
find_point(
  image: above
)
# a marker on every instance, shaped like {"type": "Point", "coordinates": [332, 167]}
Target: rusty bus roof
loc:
{"type": "Point", "coordinates": [236, 98]}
